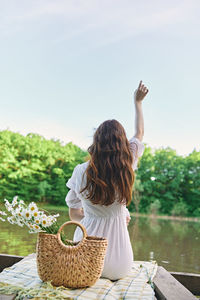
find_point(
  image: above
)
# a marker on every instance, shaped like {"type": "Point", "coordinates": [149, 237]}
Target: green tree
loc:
{"type": "Point", "coordinates": [34, 168]}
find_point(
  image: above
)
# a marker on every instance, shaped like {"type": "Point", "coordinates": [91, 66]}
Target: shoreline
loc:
{"type": "Point", "coordinates": [166, 217]}
{"type": "Point", "coordinates": [133, 214]}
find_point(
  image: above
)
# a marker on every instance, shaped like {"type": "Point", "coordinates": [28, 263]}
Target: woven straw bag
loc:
{"type": "Point", "coordinates": [74, 266]}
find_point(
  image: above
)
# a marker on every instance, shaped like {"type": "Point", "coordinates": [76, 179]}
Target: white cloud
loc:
{"type": "Point", "coordinates": [107, 20]}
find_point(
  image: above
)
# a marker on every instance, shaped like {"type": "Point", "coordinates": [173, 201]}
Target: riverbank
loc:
{"type": "Point", "coordinates": [64, 208]}
{"type": "Point", "coordinates": [151, 216]}
{"type": "Point", "coordinates": [165, 217]}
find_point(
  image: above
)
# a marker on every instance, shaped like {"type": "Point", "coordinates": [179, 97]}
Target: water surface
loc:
{"type": "Point", "coordinates": [175, 245]}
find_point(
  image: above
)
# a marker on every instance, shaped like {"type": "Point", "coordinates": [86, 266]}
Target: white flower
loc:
{"type": "Point", "coordinates": [50, 221]}
{"type": "Point", "coordinates": [36, 227]}
{"type": "Point", "coordinates": [18, 212]}
{"type": "Point", "coordinates": [14, 202]}
{"type": "Point", "coordinates": [35, 214]}
{"type": "Point", "coordinates": [2, 213]}
{"type": "Point", "coordinates": [55, 216]}
{"type": "Point", "coordinates": [21, 214]}
{"type": "Point", "coordinates": [20, 223]}
{"type": "Point", "coordinates": [37, 221]}
{"type": "Point", "coordinates": [44, 221]}
{"type": "Point", "coordinates": [13, 212]}
{"type": "Point", "coordinates": [11, 220]}
{"type": "Point", "coordinates": [21, 202]}
{"type": "Point", "coordinates": [27, 214]}
{"type": "Point", "coordinates": [8, 205]}
{"type": "Point", "coordinates": [29, 225]}
{"type": "Point", "coordinates": [32, 207]}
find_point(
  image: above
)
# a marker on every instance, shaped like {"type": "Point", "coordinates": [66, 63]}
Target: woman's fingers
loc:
{"type": "Point", "coordinates": [128, 220]}
{"type": "Point", "coordinates": [140, 84]}
{"type": "Point", "coordinates": [140, 92]}
{"type": "Point", "coordinates": [142, 87]}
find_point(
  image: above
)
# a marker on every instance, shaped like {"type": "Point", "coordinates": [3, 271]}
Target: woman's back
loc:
{"type": "Point", "coordinates": [101, 188]}
{"type": "Point", "coordinates": [105, 221]}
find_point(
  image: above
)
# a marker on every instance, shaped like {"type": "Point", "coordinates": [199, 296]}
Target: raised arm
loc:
{"type": "Point", "coordinates": [139, 95]}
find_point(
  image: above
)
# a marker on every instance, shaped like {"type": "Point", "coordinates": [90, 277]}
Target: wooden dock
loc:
{"type": "Point", "coordinates": [168, 286]}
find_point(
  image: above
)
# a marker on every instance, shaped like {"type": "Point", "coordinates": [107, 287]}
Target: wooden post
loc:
{"type": "Point", "coordinates": [168, 288]}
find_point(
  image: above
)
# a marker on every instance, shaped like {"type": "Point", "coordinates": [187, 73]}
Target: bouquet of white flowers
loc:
{"type": "Point", "coordinates": [22, 214]}
{"type": "Point", "coordinates": [63, 262]}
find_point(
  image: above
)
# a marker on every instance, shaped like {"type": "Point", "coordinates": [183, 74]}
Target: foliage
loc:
{"type": "Point", "coordinates": [37, 169]}
{"type": "Point", "coordinates": [34, 168]}
{"type": "Point", "coordinates": [173, 179]}
{"type": "Point", "coordinates": [154, 207]}
{"type": "Point", "coordinates": [196, 212]}
{"type": "Point", "coordinates": [137, 190]}
{"type": "Point", "coordinates": [179, 209]}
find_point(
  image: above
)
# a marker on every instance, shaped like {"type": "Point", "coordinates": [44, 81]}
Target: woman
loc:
{"type": "Point", "coordinates": [101, 188]}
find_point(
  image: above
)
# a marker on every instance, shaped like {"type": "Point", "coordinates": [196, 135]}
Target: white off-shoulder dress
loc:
{"type": "Point", "coordinates": [105, 221]}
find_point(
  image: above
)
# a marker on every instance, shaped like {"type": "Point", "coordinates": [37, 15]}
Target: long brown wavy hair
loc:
{"type": "Point", "coordinates": [109, 174]}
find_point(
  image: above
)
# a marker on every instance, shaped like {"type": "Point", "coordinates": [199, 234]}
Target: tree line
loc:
{"type": "Point", "coordinates": [37, 169]}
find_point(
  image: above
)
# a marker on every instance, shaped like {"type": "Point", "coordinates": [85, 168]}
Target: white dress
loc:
{"type": "Point", "coordinates": [105, 221]}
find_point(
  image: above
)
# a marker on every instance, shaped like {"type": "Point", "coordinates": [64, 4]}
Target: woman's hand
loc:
{"type": "Point", "coordinates": [140, 92]}
{"type": "Point", "coordinates": [139, 95]}
{"type": "Point", "coordinates": [128, 218]}
{"type": "Point", "coordinates": [76, 214]}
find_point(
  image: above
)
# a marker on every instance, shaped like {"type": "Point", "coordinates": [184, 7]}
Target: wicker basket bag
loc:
{"type": "Point", "coordinates": [76, 266]}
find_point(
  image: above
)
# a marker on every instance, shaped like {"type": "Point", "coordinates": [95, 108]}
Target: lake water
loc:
{"type": "Point", "coordinates": [175, 245]}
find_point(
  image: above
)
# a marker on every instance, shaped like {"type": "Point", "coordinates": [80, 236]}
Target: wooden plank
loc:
{"type": "Point", "coordinates": [8, 260]}
{"type": "Point", "coordinates": [189, 280]}
{"type": "Point", "coordinates": [168, 288]}
{"type": "Point", "coordinates": [5, 262]}
{"type": "Point", "coordinates": [8, 297]}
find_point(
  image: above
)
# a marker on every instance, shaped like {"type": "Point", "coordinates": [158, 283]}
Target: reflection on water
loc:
{"type": "Point", "coordinates": [173, 244]}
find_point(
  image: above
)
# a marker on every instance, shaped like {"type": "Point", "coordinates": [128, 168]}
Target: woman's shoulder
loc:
{"type": "Point", "coordinates": [80, 169]}
{"type": "Point", "coordinates": [82, 166]}
{"type": "Point", "coordinates": [77, 176]}
{"type": "Point", "coordinates": [137, 146]}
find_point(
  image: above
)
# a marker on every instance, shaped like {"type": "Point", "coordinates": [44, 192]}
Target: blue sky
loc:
{"type": "Point", "coordinates": [66, 66]}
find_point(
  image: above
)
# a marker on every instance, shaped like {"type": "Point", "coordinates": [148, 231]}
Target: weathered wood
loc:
{"type": "Point", "coordinates": [8, 260]}
{"type": "Point", "coordinates": [8, 297]}
{"type": "Point", "coordinates": [189, 280]}
{"type": "Point", "coordinates": [168, 288]}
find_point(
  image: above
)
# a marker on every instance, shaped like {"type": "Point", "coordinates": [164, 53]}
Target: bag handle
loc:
{"type": "Point", "coordinates": [69, 223]}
